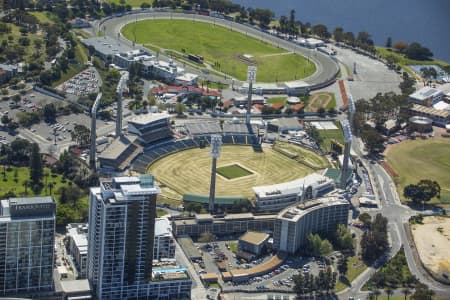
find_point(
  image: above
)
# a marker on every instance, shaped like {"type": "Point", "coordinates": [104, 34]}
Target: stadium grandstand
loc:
{"type": "Point", "coordinates": [150, 128]}
{"type": "Point", "coordinates": [120, 153]}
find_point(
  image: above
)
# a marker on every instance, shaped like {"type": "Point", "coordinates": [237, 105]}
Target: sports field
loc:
{"type": "Point", "coordinates": [189, 171]}
{"type": "Point", "coordinates": [221, 48]}
{"type": "Point", "coordinates": [233, 171]}
{"type": "Point", "coordinates": [414, 160]}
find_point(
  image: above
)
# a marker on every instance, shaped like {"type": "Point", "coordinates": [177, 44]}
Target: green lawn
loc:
{"type": "Point", "coordinates": [277, 100]}
{"type": "Point", "coordinates": [64, 212]}
{"type": "Point", "coordinates": [43, 17]}
{"type": "Point", "coordinates": [418, 159]}
{"type": "Point", "coordinates": [160, 213]}
{"type": "Point", "coordinates": [233, 247]}
{"type": "Point", "coordinates": [220, 48]}
{"type": "Point", "coordinates": [81, 56]}
{"type": "Point", "coordinates": [320, 99]}
{"type": "Point", "coordinates": [404, 62]}
{"type": "Point", "coordinates": [28, 50]}
{"type": "Point", "coordinates": [355, 267]}
{"type": "Point", "coordinates": [233, 171]}
{"type": "Point", "coordinates": [329, 135]}
{"type": "Point", "coordinates": [133, 3]}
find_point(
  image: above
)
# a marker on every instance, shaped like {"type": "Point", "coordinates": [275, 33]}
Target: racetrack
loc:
{"type": "Point", "coordinates": [326, 67]}
{"type": "Point", "coordinates": [189, 171]}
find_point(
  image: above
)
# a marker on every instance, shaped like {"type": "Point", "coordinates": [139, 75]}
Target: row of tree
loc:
{"type": "Point", "coordinates": [310, 284]}
{"type": "Point", "coordinates": [374, 241]}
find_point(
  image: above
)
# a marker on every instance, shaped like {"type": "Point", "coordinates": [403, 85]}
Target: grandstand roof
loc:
{"type": "Point", "coordinates": [203, 127]}
{"type": "Point", "coordinates": [117, 147]}
{"type": "Point", "coordinates": [144, 119]}
{"type": "Point", "coordinates": [287, 123]}
{"type": "Point", "coordinates": [203, 199]}
{"type": "Point", "coordinates": [240, 128]}
{"type": "Point", "coordinates": [430, 111]}
{"type": "Point", "coordinates": [291, 187]}
{"type": "Point", "coordinates": [254, 238]}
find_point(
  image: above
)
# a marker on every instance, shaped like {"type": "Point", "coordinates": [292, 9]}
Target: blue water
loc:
{"type": "Point", "coordinates": [424, 21]}
{"type": "Point", "coordinates": [169, 270]}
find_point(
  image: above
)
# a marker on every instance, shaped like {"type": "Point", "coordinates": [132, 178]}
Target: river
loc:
{"type": "Point", "coordinates": [423, 21]}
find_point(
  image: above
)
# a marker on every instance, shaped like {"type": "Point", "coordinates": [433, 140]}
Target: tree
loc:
{"type": "Point", "coordinates": [388, 292]}
{"type": "Point", "coordinates": [344, 238]}
{"type": "Point", "coordinates": [318, 246]}
{"type": "Point", "coordinates": [422, 292]}
{"type": "Point", "coordinates": [338, 34]}
{"type": "Point", "coordinates": [400, 46]}
{"type": "Point", "coordinates": [5, 120]}
{"type": "Point", "coordinates": [373, 140]}
{"type": "Point", "coordinates": [389, 42]}
{"type": "Point", "coordinates": [374, 241]}
{"type": "Point", "coordinates": [50, 113]}
{"type": "Point", "coordinates": [406, 291]}
{"type": "Point", "coordinates": [26, 184]}
{"type": "Point", "coordinates": [377, 293]}
{"type": "Point", "coordinates": [428, 73]}
{"type": "Point", "coordinates": [36, 170]}
{"type": "Point", "coordinates": [423, 191]}
{"type": "Point", "coordinates": [206, 237]}
{"type": "Point", "coordinates": [81, 134]}
{"type": "Point", "coordinates": [343, 266]}
{"type": "Point", "coordinates": [365, 218]}
{"type": "Point", "coordinates": [416, 51]}
{"type": "Point", "coordinates": [321, 30]}
{"type": "Point", "coordinates": [180, 108]}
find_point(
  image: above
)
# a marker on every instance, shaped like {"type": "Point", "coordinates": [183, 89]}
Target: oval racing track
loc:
{"type": "Point", "coordinates": [326, 67]}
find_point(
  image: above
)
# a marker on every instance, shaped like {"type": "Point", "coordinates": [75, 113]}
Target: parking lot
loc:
{"type": "Point", "coordinates": [279, 279]}
{"type": "Point", "coordinates": [82, 84]}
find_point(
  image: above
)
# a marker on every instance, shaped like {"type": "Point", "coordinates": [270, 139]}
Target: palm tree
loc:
{"type": "Point", "coordinates": [50, 186]}
{"type": "Point", "coordinates": [26, 184]}
{"type": "Point", "coordinates": [430, 294]}
{"type": "Point", "coordinates": [388, 292]}
{"type": "Point", "coordinates": [406, 291]}
{"type": "Point", "coordinates": [377, 293]}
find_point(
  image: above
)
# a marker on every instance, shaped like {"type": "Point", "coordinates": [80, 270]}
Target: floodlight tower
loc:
{"type": "Point", "coordinates": [216, 143]}
{"type": "Point", "coordinates": [119, 90]}
{"type": "Point", "coordinates": [351, 109]}
{"type": "Point", "coordinates": [94, 131]}
{"type": "Point", "coordinates": [251, 77]}
{"type": "Point", "coordinates": [345, 172]}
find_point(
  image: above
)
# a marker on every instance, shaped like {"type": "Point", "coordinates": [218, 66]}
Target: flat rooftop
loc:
{"type": "Point", "coordinates": [144, 119]}
{"type": "Point", "coordinates": [253, 237]}
{"type": "Point", "coordinates": [425, 93]}
{"type": "Point", "coordinates": [31, 200]}
{"type": "Point", "coordinates": [430, 111]}
{"type": "Point", "coordinates": [294, 213]}
{"type": "Point", "coordinates": [291, 187]}
{"type": "Point", "coordinates": [162, 227]}
{"type": "Point", "coordinates": [107, 45]}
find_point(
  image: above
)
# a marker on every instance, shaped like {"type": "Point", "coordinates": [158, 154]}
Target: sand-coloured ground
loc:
{"type": "Point", "coordinates": [433, 243]}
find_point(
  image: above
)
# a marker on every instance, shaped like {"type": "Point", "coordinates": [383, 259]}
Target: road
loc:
{"type": "Point", "coordinates": [326, 67]}
{"type": "Point", "coordinates": [397, 215]}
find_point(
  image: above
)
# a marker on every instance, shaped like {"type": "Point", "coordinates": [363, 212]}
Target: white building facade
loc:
{"type": "Point", "coordinates": [294, 223]}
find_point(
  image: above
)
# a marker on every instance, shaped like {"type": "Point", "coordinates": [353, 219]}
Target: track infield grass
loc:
{"type": "Point", "coordinates": [221, 48]}
{"type": "Point", "coordinates": [414, 160]}
{"type": "Point", "coordinates": [189, 171]}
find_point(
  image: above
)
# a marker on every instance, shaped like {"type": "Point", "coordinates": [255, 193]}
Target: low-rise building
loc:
{"type": "Point", "coordinates": [278, 196]}
{"type": "Point", "coordinates": [7, 72]}
{"type": "Point", "coordinates": [78, 244]}
{"type": "Point", "coordinates": [294, 223]}
{"type": "Point", "coordinates": [164, 245]}
{"type": "Point", "coordinates": [253, 242]}
{"type": "Point", "coordinates": [284, 125]}
{"type": "Point", "coordinates": [222, 225]}
{"type": "Point", "coordinates": [426, 96]}
{"type": "Point", "coordinates": [439, 117]}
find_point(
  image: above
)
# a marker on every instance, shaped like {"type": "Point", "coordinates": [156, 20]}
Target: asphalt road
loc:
{"type": "Point", "coordinates": [326, 67]}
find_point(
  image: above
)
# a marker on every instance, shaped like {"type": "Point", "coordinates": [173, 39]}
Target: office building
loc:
{"type": "Point", "coordinates": [426, 96]}
{"type": "Point", "coordinates": [78, 247]}
{"type": "Point", "coordinates": [27, 241]}
{"type": "Point", "coordinates": [120, 245]}
{"type": "Point", "coordinates": [253, 242]}
{"type": "Point", "coordinates": [294, 223]}
{"type": "Point", "coordinates": [222, 225]}
{"type": "Point", "coordinates": [278, 196]}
